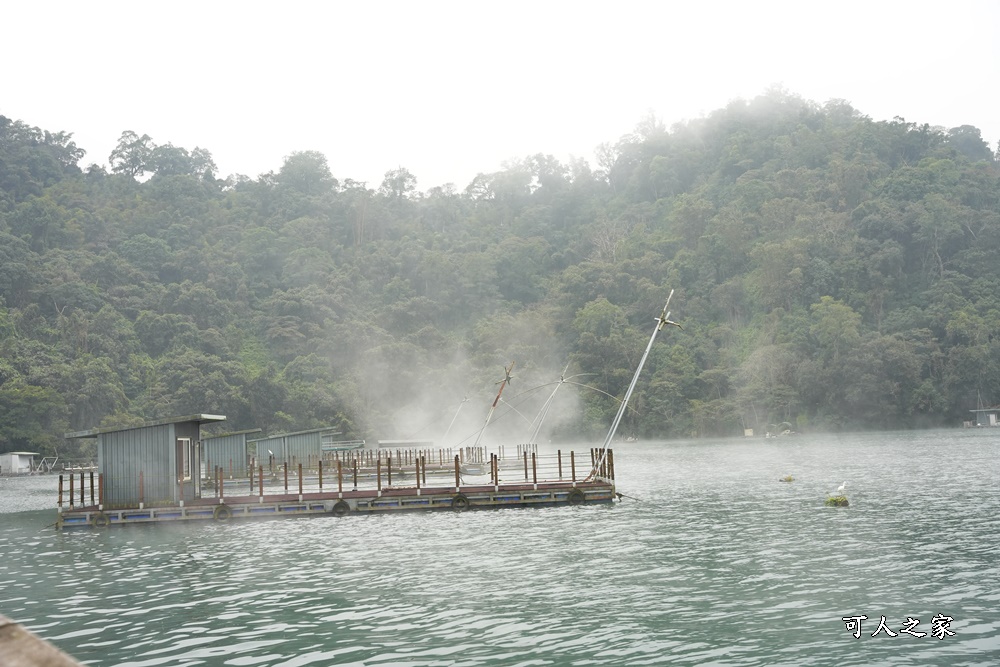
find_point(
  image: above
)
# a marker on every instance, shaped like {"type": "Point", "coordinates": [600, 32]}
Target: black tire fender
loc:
{"type": "Point", "coordinates": [576, 497]}
{"type": "Point", "coordinates": [222, 513]}
{"type": "Point", "coordinates": [101, 520]}
{"type": "Point", "coordinates": [460, 502]}
{"type": "Point", "coordinates": [341, 508]}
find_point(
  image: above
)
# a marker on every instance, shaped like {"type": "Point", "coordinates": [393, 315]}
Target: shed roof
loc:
{"type": "Point", "coordinates": [325, 429]}
{"type": "Point", "coordinates": [94, 432]}
{"type": "Point", "coordinates": [230, 433]}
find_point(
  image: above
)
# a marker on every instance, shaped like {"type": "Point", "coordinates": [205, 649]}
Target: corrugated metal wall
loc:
{"type": "Point", "coordinates": [275, 444]}
{"type": "Point", "coordinates": [302, 447]}
{"type": "Point", "coordinates": [292, 448]}
{"type": "Point", "coordinates": [122, 455]}
{"type": "Point", "coordinates": [228, 451]}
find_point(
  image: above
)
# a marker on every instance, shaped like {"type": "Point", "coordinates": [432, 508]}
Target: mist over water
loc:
{"type": "Point", "coordinates": [716, 563]}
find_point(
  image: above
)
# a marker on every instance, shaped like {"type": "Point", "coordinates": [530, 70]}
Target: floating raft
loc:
{"type": "Point", "coordinates": [254, 496]}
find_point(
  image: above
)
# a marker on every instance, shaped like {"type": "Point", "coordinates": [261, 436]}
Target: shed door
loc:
{"type": "Point", "coordinates": [185, 464]}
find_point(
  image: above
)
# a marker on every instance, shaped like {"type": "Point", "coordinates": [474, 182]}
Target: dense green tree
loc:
{"type": "Point", "coordinates": [832, 272]}
{"type": "Point", "coordinates": [133, 155]}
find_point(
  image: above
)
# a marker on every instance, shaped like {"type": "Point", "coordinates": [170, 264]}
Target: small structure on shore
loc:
{"type": "Point", "coordinates": [984, 417]}
{"type": "Point", "coordinates": [17, 463]}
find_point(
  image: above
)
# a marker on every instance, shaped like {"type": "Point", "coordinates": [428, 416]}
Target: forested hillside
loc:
{"type": "Point", "coordinates": [830, 271]}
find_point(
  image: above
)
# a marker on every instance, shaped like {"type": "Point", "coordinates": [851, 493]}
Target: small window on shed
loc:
{"type": "Point", "coordinates": [185, 456]}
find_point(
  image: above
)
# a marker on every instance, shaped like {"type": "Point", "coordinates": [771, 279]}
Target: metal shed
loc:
{"type": "Point", "coordinates": [985, 417]}
{"type": "Point", "coordinates": [292, 448]}
{"type": "Point", "coordinates": [228, 451]}
{"type": "Point", "coordinates": [157, 462]}
{"type": "Point", "coordinates": [17, 463]}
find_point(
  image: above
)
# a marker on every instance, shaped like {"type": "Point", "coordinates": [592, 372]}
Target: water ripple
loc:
{"type": "Point", "coordinates": [717, 563]}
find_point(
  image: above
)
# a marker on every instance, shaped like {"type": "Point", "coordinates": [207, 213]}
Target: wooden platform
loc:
{"type": "Point", "coordinates": [346, 503]}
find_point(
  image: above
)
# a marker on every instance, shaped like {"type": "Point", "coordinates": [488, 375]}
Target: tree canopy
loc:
{"type": "Point", "coordinates": [832, 272]}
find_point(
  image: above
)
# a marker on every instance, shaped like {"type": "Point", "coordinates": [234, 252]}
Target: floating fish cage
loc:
{"type": "Point", "coordinates": [343, 483]}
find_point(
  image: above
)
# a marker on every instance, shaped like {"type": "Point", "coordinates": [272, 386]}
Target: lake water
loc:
{"type": "Point", "coordinates": [714, 562]}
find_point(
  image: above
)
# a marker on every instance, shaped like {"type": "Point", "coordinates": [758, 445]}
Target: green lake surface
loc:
{"type": "Point", "coordinates": [709, 561]}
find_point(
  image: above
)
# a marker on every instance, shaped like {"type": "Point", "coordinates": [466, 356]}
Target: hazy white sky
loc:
{"type": "Point", "coordinates": [451, 89]}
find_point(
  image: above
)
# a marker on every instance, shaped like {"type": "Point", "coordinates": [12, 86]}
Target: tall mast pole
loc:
{"type": "Point", "coordinates": [503, 383]}
{"type": "Point", "coordinates": [661, 321]}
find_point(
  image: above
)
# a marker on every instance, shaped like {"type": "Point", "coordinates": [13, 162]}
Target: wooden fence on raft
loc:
{"type": "Point", "coordinates": [358, 470]}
